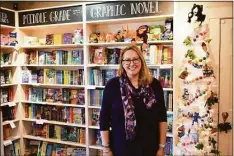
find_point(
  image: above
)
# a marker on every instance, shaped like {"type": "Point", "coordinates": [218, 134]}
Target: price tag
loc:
{"type": "Point", "coordinates": [40, 122]}
{"type": "Point", "coordinates": [10, 104]}
{"type": "Point", "coordinates": [12, 124]}
{"type": "Point", "coordinates": [7, 142]}
{"type": "Point", "coordinates": [36, 84]}
{"type": "Point", "coordinates": [91, 87]}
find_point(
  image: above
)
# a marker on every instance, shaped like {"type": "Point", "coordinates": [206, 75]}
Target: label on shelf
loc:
{"type": "Point", "coordinates": [12, 124]}
{"type": "Point", "coordinates": [40, 122]}
{"type": "Point", "coordinates": [91, 87]}
{"type": "Point", "coordinates": [7, 142]}
{"type": "Point", "coordinates": [10, 104]}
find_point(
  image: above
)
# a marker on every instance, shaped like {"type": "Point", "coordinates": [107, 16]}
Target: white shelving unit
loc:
{"type": "Point", "coordinates": [40, 31]}
{"type": "Point", "coordinates": [13, 126]}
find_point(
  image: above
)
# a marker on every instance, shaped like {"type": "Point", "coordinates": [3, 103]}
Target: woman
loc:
{"type": "Point", "coordinates": [133, 106]}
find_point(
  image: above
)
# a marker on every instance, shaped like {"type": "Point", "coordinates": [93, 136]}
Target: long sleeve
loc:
{"type": "Point", "coordinates": [105, 113]}
{"type": "Point", "coordinates": [162, 107]}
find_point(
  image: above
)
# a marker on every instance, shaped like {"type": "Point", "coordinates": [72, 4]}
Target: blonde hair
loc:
{"type": "Point", "coordinates": [145, 77]}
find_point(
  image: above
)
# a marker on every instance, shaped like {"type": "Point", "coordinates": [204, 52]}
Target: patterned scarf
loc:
{"type": "Point", "coordinates": [127, 91]}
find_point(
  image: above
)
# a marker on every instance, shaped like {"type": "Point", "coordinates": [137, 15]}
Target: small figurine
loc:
{"type": "Point", "coordinates": [119, 37]}
{"type": "Point", "coordinates": [185, 96]}
{"type": "Point", "coordinates": [195, 117]}
{"type": "Point", "coordinates": [168, 32]}
{"type": "Point", "coordinates": [110, 37]}
{"type": "Point", "coordinates": [93, 38]}
{"type": "Point", "coordinates": [78, 37]}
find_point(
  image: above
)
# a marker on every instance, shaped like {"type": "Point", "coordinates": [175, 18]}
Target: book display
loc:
{"type": "Point", "coordinates": [63, 63]}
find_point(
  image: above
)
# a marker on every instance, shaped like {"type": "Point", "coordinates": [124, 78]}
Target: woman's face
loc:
{"type": "Point", "coordinates": [131, 63]}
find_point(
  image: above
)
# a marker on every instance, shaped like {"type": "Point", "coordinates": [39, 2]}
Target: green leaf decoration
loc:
{"type": "Point", "coordinates": [191, 55]}
{"type": "Point", "coordinates": [199, 146]}
{"type": "Point", "coordinates": [187, 41]}
{"type": "Point", "coordinates": [208, 40]}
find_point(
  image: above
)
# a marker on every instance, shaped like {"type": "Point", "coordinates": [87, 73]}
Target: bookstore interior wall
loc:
{"type": "Point", "coordinates": [56, 61]}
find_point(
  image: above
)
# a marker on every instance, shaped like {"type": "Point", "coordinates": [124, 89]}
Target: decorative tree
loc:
{"type": "Point", "coordinates": [196, 117]}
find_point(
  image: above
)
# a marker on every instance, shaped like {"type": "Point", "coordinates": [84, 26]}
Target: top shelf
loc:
{"type": "Point", "coordinates": [6, 27]}
{"type": "Point", "coordinates": [51, 26]}
{"type": "Point", "coordinates": [131, 20]}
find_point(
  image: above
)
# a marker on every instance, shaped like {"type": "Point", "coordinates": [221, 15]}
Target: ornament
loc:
{"type": "Point", "coordinates": [195, 117]}
{"type": "Point", "coordinates": [190, 54]}
{"type": "Point", "coordinates": [185, 96]}
{"type": "Point", "coordinates": [212, 100]}
{"type": "Point", "coordinates": [187, 41]}
{"type": "Point", "coordinates": [207, 70]}
{"type": "Point", "coordinates": [225, 126]}
{"type": "Point", "coordinates": [199, 146]}
{"type": "Point", "coordinates": [184, 74]}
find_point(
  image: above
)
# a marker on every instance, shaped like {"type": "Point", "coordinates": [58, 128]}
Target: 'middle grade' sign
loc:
{"type": "Point", "coordinates": [114, 10]}
{"type": "Point", "coordinates": [7, 17]}
{"type": "Point", "coordinates": [51, 16]}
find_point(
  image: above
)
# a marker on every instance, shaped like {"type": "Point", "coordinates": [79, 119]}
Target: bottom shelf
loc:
{"type": "Point", "coordinates": [53, 141]}
{"type": "Point", "coordinates": [10, 140]}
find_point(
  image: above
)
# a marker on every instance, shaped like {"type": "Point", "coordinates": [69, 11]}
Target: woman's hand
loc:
{"type": "Point", "coordinates": [107, 151]}
{"type": "Point", "coordinates": [160, 152]}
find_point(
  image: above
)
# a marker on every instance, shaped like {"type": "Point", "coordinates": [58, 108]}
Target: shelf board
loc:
{"type": "Point", "coordinates": [131, 20]}
{"type": "Point", "coordinates": [7, 66]}
{"type": "Point", "coordinates": [161, 66]}
{"type": "Point", "coordinates": [8, 85]}
{"type": "Point", "coordinates": [94, 87]}
{"type": "Point", "coordinates": [42, 121]}
{"type": "Point", "coordinates": [94, 107]}
{"type": "Point", "coordinates": [54, 141]}
{"type": "Point", "coordinates": [170, 112]}
{"type": "Point", "coordinates": [129, 43]}
{"type": "Point", "coordinates": [103, 65]}
{"type": "Point", "coordinates": [169, 135]}
{"type": "Point", "coordinates": [168, 89]}
{"type": "Point", "coordinates": [54, 66]}
{"type": "Point", "coordinates": [53, 85]}
{"type": "Point", "coordinates": [55, 104]}
{"type": "Point", "coordinates": [53, 46]}
{"type": "Point", "coordinates": [10, 139]}
{"type": "Point", "coordinates": [94, 127]}
{"type": "Point", "coordinates": [7, 47]}
{"type": "Point", "coordinates": [96, 147]}
{"type": "Point", "coordinates": [10, 104]}
{"type": "Point", "coordinates": [3, 26]}
{"type": "Point", "coordinates": [9, 121]}
{"type": "Point", "coordinates": [50, 26]}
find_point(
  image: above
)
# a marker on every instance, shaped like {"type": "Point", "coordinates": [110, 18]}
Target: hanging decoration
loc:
{"type": "Point", "coordinates": [225, 126]}
{"type": "Point", "coordinates": [196, 118]}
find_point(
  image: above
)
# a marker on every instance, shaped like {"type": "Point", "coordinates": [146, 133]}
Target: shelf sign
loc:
{"type": "Point", "coordinates": [7, 17]}
{"type": "Point", "coordinates": [51, 16]}
{"type": "Point", "coordinates": [115, 10]}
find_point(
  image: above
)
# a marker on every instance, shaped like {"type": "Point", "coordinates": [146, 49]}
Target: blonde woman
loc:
{"type": "Point", "coordinates": [133, 106]}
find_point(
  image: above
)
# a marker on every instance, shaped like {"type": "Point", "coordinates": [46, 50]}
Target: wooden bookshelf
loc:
{"type": "Point", "coordinates": [53, 104]}
{"type": "Point", "coordinates": [54, 141]}
{"type": "Point", "coordinates": [42, 121]}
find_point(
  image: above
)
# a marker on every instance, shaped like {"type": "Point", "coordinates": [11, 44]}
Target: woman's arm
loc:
{"type": "Point", "coordinates": [105, 117]}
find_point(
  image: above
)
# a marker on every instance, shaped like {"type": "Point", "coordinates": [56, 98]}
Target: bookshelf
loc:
{"type": "Point", "coordinates": [88, 26]}
{"type": "Point", "coordinates": [10, 111]}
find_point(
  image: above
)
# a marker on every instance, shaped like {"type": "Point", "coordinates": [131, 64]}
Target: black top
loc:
{"type": "Point", "coordinates": [147, 120]}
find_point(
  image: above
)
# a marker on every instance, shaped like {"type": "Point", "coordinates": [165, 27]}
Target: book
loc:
{"type": "Point", "coordinates": [95, 117]}
{"type": "Point", "coordinates": [42, 58]}
{"type": "Point", "coordinates": [67, 38]}
{"type": "Point", "coordinates": [49, 39]}
{"type": "Point", "coordinates": [169, 123]}
{"type": "Point", "coordinates": [58, 38]}
{"type": "Point", "coordinates": [98, 55]}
